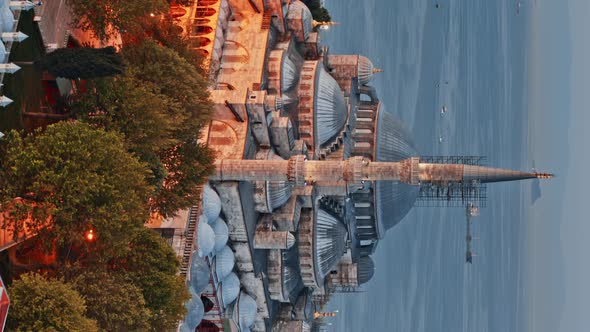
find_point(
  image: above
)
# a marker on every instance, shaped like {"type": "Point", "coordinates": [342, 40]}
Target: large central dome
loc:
{"type": "Point", "coordinates": [393, 198]}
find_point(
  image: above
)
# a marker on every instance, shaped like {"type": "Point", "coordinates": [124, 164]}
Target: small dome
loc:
{"type": "Point", "coordinates": [393, 199]}
{"type": "Point", "coordinates": [205, 237]}
{"type": "Point", "coordinates": [289, 73]}
{"type": "Point", "coordinates": [200, 273]}
{"type": "Point", "coordinates": [329, 106]}
{"type": "Point", "coordinates": [364, 70]}
{"type": "Point", "coordinates": [224, 262]}
{"type": "Point", "coordinates": [290, 240]}
{"type": "Point", "coordinates": [195, 311]}
{"type": "Point", "coordinates": [221, 234]}
{"type": "Point", "coordinates": [229, 289]}
{"type": "Point", "coordinates": [211, 204]}
{"type": "Point", "coordinates": [7, 18]}
{"type": "Point", "coordinates": [365, 269]}
{"type": "Point", "coordinates": [329, 242]}
{"type": "Point", "coordinates": [298, 9]}
{"type": "Point", "coordinates": [246, 312]}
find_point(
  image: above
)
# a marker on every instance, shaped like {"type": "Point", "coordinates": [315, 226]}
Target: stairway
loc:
{"type": "Point", "coordinates": [191, 231]}
{"type": "Point", "coordinates": [266, 20]}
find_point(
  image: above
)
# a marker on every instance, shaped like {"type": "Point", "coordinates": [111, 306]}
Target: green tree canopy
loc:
{"type": "Point", "coordinates": [83, 62]}
{"type": "Point", "coordinates": [113, 302]}
{"type": "Point", "coordinates": [318, 12]}
{"type": "Point", "coordinates": [80, 176]}
{"type": "Point", "coordinates": [176, 78]}
{"type": "Point", "coordinates": [152, 266]}
{"type": "Point", "coordinates": [152, 124]}
{"type": "Point", "coordinates": [146, 118]}
{"type": "Point", "coordinates": [39, 304]}
{"type": "Point", "coordinates": [106, 18]}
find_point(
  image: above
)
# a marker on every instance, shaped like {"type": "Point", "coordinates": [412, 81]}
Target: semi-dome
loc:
{"type": "Point", "coordinates": [229, 288]}
{"type": "Point", "coordinates": [205, 237]}
{"type": "Point", "coordinates": [329, 106]}
{"type": "Point", "coordinates": [199, 274]}
{"type": "Point", "coordinates": [298, 10]}
{"type": "Point", "coordinates": [223, 262]}
{"type": "Point", "coordinates": [292, 283]}
{"type": "Point", "coordinates": [211, 204]}
{"type": "Point", "coordinates": [245, 310]}
{"type": "Point", "coordinates": [329, 242]}
{"type": "Point", "coordinates": [221, 234]}
{"type": "Point", "coordinates": [365, 269]}
{"type": "Point", "coordinates": [364, 70]}
{"type": "Point", "coordinates": [393, 198]}
{"type": "Point", "coordinates": [289, 73]}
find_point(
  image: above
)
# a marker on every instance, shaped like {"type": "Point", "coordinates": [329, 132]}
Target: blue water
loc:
{"type": "Point", "coordinates": [421, 282]}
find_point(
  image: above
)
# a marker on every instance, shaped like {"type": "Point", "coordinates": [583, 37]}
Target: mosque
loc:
{"type": "Point", "coordinates": [311, 173]}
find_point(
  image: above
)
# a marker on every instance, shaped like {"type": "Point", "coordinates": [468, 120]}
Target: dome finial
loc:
{"type": "Point", "coordinates": [377, 70]}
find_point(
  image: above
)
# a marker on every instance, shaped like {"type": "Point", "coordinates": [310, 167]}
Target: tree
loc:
{"type": "Point", "coordinates": [165, 32]}
{"type": "Point", "coordinates": [83, 62]}
{"type": "Point", "coordinates": [146, 118]}
{"type": "Point", "coordinates": [77, 177]}
{"type": "Point", "coordinates": [106, 18]}
{"type": "Point", "coordinates": [153, 125]}
{"type": "Point", "coordinates": [113, 302]}
{"type": "Point", "coordinates": [39, 304]}
{"type": "Point", "coordinates": [152, 265]}
{"type": "Point", "coordinates": [318, 12]}
{"type": "Point", "coordinates": [175, 78]}
{"type": "Point", "coordinates": [188, 165]}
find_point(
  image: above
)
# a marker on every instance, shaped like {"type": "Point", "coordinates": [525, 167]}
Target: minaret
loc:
{"type": "Point", "coordinates": [356, 170]}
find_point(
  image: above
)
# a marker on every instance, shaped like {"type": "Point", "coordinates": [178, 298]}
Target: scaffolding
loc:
{"type": "Point", "coordinates": [452, 194]}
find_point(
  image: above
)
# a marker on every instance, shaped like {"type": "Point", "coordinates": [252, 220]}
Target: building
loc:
{"type": "Point", "coordinates": [311, 171]}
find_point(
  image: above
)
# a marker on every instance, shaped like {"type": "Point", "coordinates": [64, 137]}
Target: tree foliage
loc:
{"type": "Point", "coordinates": [166, 33]}
{"type": "Point", "coordinates": [152, 266]}
{"type": "Point", "coordinates": [188, 164]}
{"type": "Point", "coordinates": [106, 18]}
{"type": "Point", "coordinates": [113, 302]}
{"type": "Point", "coordinates": [175, 78]}
{"type": "Point", "coordinates": [39, 304]}
{"type": "Point", "coordinates": [83, 62]}
{"type": "Point", "coordinates": [318, 12]}
{"type": "Point", "coordinates": [159, 106]}
{"type": "Point", "coordinates": [82, 177]}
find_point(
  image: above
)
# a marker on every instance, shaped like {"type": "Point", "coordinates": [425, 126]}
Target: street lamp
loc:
{"type": "Point", "coordinates": [89, 236]}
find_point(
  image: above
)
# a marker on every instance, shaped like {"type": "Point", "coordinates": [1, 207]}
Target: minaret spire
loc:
{"type": "Point", "coordinates": [355, 170]}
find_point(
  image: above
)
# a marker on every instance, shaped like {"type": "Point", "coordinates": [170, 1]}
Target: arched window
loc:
{"type": "Point", "coordinates": [177, 12]}
{"type": "Point", "coordinates": [203, 52]}
{"type": "Point", "coordinates": [201, 21]}
{"type": "Point", "coordinates": [204, 12]}
{"type": "Point", "coordinates": [199, 42]}
{"type": "Point", "coordinates": [363, 131]}
{"type": "Point", "coordinates": [207, 2]}
{"type": "Point", "coordinates": [202, 30]}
